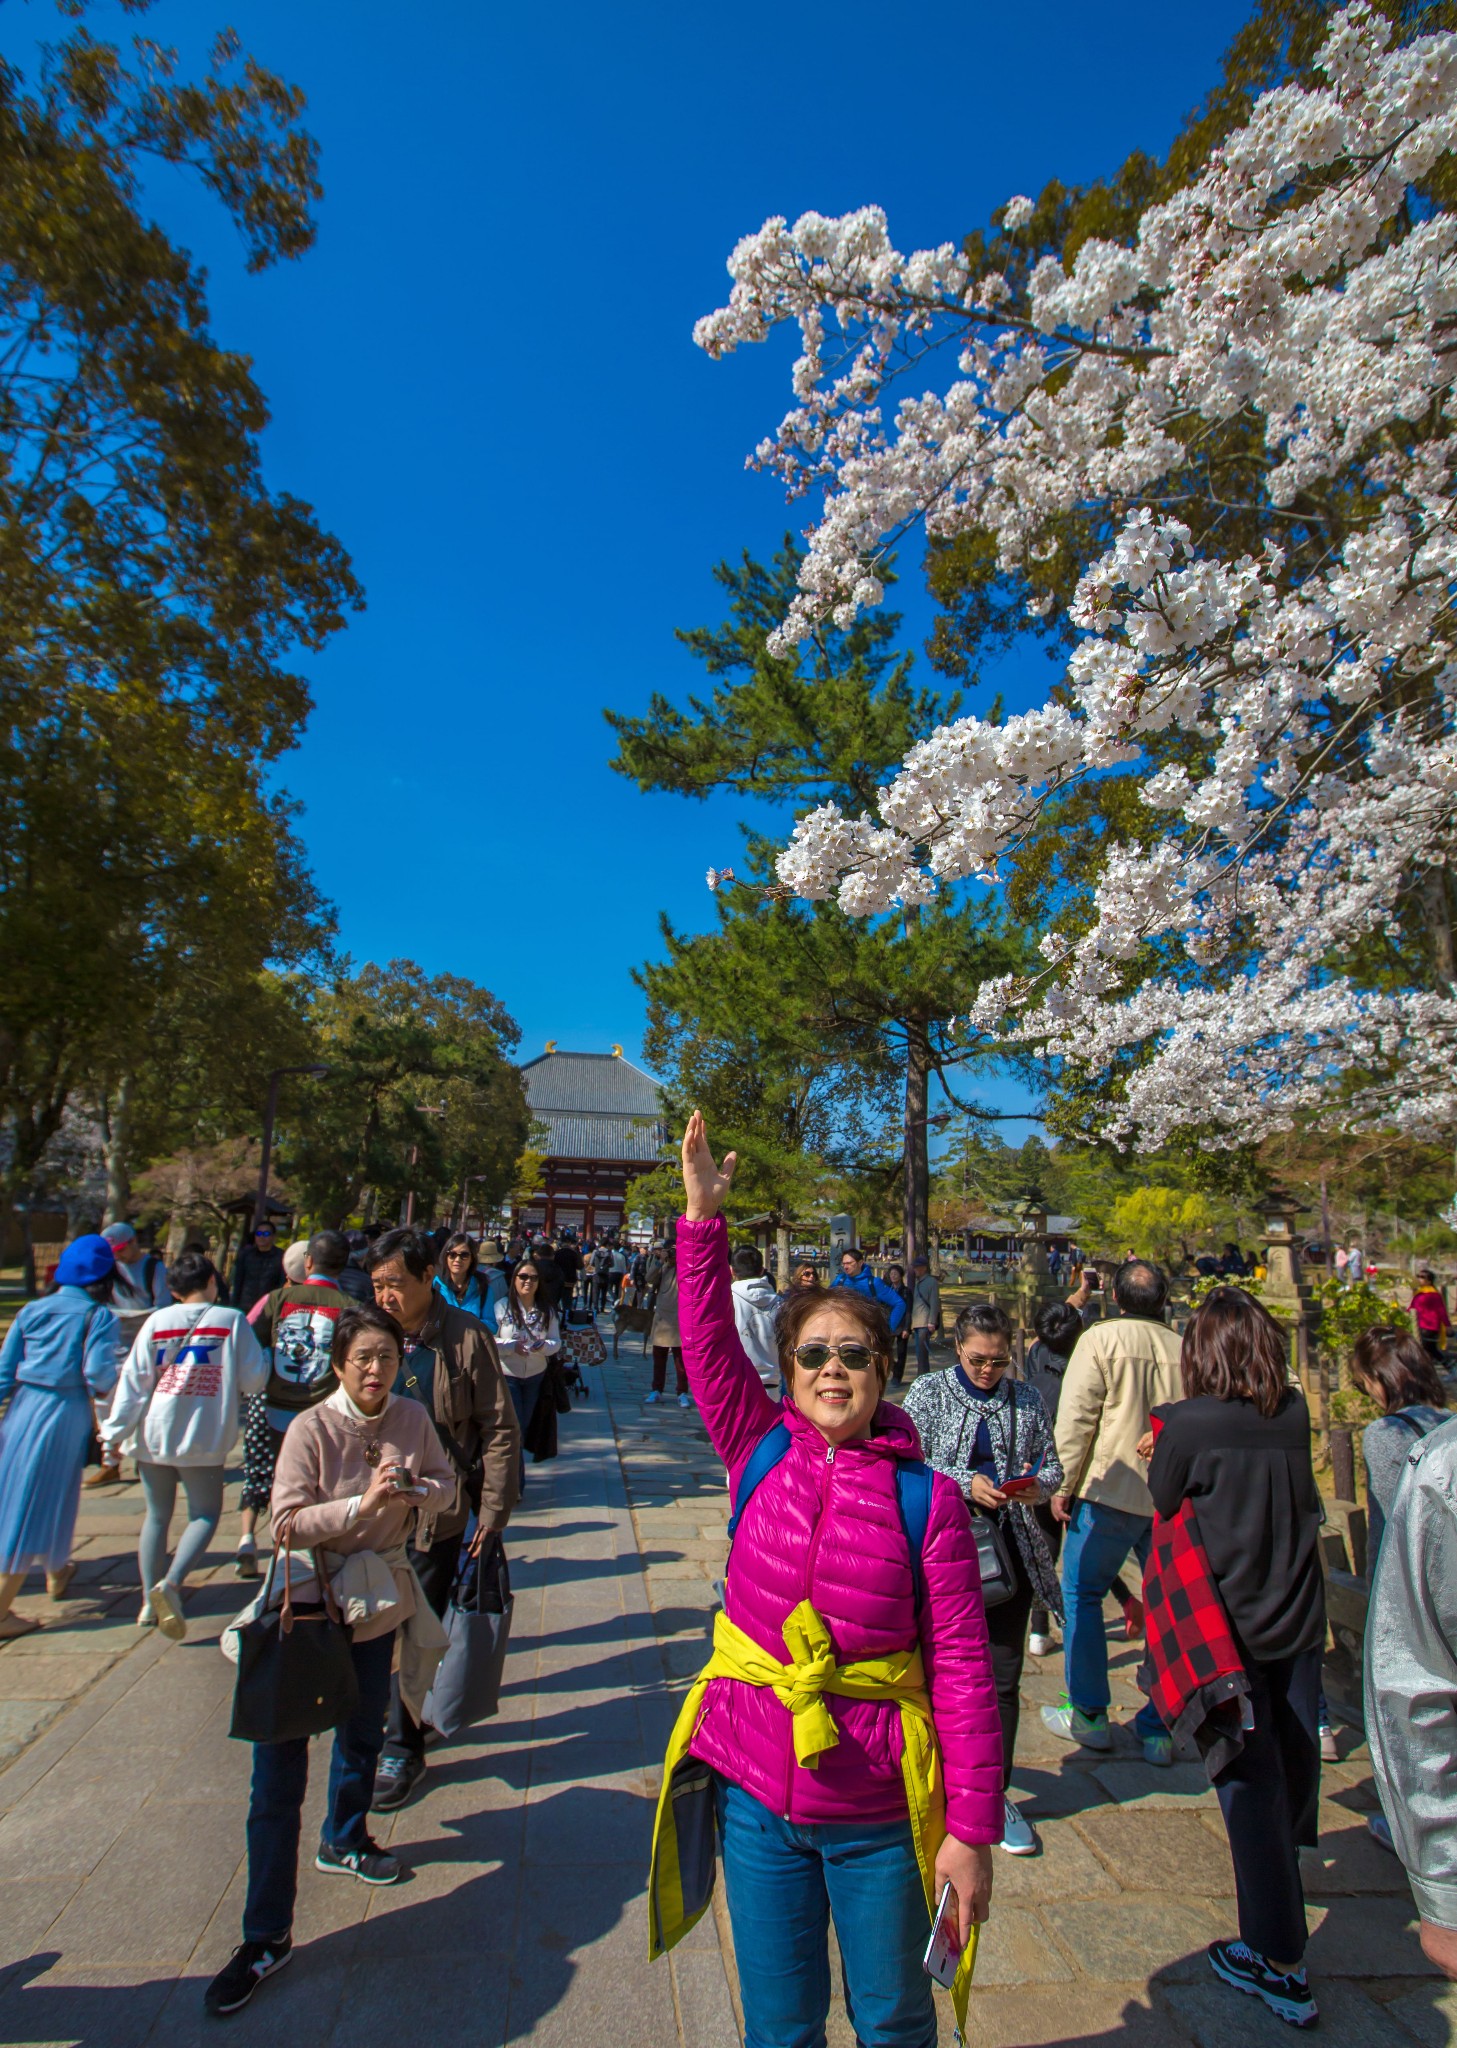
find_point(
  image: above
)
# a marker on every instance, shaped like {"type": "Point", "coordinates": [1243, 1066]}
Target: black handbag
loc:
{"type": "Point", "coordinates": [998, 1572]}
{"type": "Point", "coordinates": [296, 1676]}
{"type": "Point", "coordinates": [998, 1575]}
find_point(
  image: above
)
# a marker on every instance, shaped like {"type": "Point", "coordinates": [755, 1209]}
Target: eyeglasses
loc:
{"type": "Point", "coordinates": [854, 1357]}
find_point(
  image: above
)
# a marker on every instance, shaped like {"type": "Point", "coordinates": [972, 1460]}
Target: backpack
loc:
{"type": "Point", "coordinates": [912, 1495]}
{"type": "Point", "coordinates": [301, 1367]}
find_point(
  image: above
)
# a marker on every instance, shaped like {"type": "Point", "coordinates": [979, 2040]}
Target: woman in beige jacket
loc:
{"type": "Point", "coordinates": [352, 1475]}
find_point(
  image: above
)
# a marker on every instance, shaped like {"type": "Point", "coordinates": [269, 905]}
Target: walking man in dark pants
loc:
{"type": "Point", "coordinates": [450, 1365]}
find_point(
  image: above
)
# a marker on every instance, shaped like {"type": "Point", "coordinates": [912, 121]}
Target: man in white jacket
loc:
{"type": "Point", "coordinates": [755, 1309]}
{"type": "Point", "coordinates": [176, 1410]}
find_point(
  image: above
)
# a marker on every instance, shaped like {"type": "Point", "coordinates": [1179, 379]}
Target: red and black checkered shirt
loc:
{"type": "Point", "coordinates": [1190, 1645]}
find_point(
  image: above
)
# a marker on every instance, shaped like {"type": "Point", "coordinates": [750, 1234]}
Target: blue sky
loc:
{"type": "Point", "coordinates": [484, 380]}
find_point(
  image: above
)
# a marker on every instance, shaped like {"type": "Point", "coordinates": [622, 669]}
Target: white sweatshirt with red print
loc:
{"type": "Point", "coordinates": [178, 1399]}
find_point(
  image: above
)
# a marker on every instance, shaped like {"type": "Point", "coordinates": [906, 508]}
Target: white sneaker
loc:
{"type": "Point", "coordinates": [1043, 1646]}
{"type": "Point", "coordinates": [146, 1619]}
{"type": "Point", "coordinates": [1329, 1754]}
{"type": "Point", "coordinates": [1019, 1837]}
{"type": "Point", "coordinates": [1091, 1731]}
{"type": "Point", "coordinates": [168, 1610]}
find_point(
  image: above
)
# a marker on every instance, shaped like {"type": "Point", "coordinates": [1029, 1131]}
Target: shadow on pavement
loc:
{"type": "Point", "coordinates": [481, 1963]}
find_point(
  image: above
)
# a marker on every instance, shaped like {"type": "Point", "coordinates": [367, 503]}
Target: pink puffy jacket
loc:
{"type": "Point", "coordinates": [825, 1525]}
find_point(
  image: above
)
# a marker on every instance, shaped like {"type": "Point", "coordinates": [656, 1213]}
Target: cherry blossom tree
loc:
{"type": "Point", "coordinates": [1275, 339]}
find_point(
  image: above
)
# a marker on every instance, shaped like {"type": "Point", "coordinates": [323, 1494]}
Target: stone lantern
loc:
{"type": "Point", "coordinates": [1282, 1256]}
{"type": "Point", "coordinates": [1033, 1211]}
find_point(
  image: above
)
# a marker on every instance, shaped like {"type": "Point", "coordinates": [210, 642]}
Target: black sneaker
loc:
{"type": "Point", "coordinates": [371, 1864]}
{"type": "Point", "coordinates": [1288, 1997]}
{"type": "Point", "coordinates": [236, 1982]}
{"type": "Point", "coordinates": [394, 1780]}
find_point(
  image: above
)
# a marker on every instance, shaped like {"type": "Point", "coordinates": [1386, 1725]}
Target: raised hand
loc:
{"type": "Point", "coordinates": [705, 1185]}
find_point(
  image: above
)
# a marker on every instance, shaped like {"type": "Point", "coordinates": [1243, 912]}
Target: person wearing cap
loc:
{"type": "Point", "coordinates": [60, 1354]}
{"type": "Point", "coordinates": [138, 1285]}
{"type": "Point", "coordinates": [259, 1269]}
{"type": "Point", "coordinates": [141, 1277]}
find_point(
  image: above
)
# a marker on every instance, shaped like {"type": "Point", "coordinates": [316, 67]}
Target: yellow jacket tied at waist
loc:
{"type": "Point", "coordinates": [680, 1885]}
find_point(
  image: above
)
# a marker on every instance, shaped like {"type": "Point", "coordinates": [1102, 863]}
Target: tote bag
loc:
{"type": "Point", "coordinates": [296, 1676]}
{"type": "Point", "coordinates": [467, 1686]}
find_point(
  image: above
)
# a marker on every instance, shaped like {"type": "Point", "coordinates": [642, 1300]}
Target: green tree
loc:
{"type": "Point", "coordinates": [403, 1047]}
{"type": "Point", "coordinates": [1158, 1222]}
{"type": "Point", "coordinates": [821, 726]}
{"type": "Point", "coordinates": [815, 728]}
{"type": "Point", "coordinates": [153, 588]}
{"type": "Point", "coordinates": [736, 1025]}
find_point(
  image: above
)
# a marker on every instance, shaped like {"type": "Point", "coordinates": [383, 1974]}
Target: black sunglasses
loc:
{"type": "Point", "coordinates": [854, 1357]}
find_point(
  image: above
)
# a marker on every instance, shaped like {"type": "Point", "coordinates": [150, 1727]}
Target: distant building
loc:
{"type": "Point", "coordinates": [604, 1125]}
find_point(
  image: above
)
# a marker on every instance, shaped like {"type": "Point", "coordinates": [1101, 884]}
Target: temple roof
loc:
{"type": "Point", "coordinates": [595, 1105]}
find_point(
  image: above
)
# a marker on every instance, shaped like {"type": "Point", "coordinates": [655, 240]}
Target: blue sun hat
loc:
{"type": "Point", "coordinates": [85, 1261]}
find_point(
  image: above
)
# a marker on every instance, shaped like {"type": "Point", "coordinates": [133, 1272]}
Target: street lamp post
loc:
{"type": "Point", "coordinates": [464, 1192]}
{"type": "Point", "coordinates": [421, 1109]}
{"type": "Point", "coordinates": [260, 1206]}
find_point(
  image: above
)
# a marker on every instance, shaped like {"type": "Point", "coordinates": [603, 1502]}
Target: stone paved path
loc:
{"type": "Point", "coordinates": [121, 1840]}
{"type": "Point", "coordinates": [121, 1826]}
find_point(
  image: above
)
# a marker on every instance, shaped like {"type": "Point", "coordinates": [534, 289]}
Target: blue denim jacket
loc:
{"type": "Point", "coordinates": [44, 1347]}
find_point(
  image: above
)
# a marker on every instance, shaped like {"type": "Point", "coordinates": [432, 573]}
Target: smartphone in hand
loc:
{"type": "Point", "coordinates": [943, 1951]}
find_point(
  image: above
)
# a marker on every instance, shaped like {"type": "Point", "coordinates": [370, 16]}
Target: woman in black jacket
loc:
{"type": "Point", "coordinates": [1238, 1449]}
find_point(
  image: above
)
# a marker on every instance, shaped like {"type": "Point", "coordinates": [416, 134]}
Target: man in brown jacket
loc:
{"type": "Point", "coordinates": [451, 1366]}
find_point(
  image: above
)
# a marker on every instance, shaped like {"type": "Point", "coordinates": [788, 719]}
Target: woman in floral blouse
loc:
{"type": "Point", "coordinates": [982, 1428]}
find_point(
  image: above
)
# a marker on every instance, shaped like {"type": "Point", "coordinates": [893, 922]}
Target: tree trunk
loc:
{"type": "Point", "coordinates": [1437, 907]}
{"type": "Point", "coordinates": [116, 1123]}
{"type": "Point", "coordinates": [917, 1146]}
{"type": "Point", "coordinates": [181, 1203]}
{"type": "Point", "coordinates": [781, 1255]}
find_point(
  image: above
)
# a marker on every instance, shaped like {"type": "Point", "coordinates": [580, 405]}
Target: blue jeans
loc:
{"type": "Point", "coordinates": [280, 1779]}
{"type": "Point", "coordinates": [783, 1883]}
{"type": "Point", "coordinates": [1098, 1540]}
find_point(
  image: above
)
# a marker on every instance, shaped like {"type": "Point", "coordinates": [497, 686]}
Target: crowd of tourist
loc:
{"type": "Point", "coordinates": [849, 1744]}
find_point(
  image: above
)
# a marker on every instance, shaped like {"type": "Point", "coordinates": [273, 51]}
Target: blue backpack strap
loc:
{"type": "Point", "coordinates": [913, 1498]}
{"type": "Point", "coordinates": [912, 1494]}
{"type": "Point", "coordinates": [767, 1452]}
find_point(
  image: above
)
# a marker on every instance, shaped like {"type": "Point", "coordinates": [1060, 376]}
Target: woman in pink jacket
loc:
{"type": "Point", "coordinates": [825, 1525]}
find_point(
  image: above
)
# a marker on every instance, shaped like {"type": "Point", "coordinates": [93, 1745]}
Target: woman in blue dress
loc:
{"type": "Point", "coordinates": [62, 1349]}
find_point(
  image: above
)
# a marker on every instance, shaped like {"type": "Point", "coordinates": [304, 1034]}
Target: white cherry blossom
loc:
{"type": "Point", "coordinates": [1296, 283]}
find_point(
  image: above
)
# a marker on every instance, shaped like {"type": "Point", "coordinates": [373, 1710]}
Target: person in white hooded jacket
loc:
{"type": "Point", "coordinates": [177, 1411]}
{"type": "Point", "coordinates": [756, 1306]}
